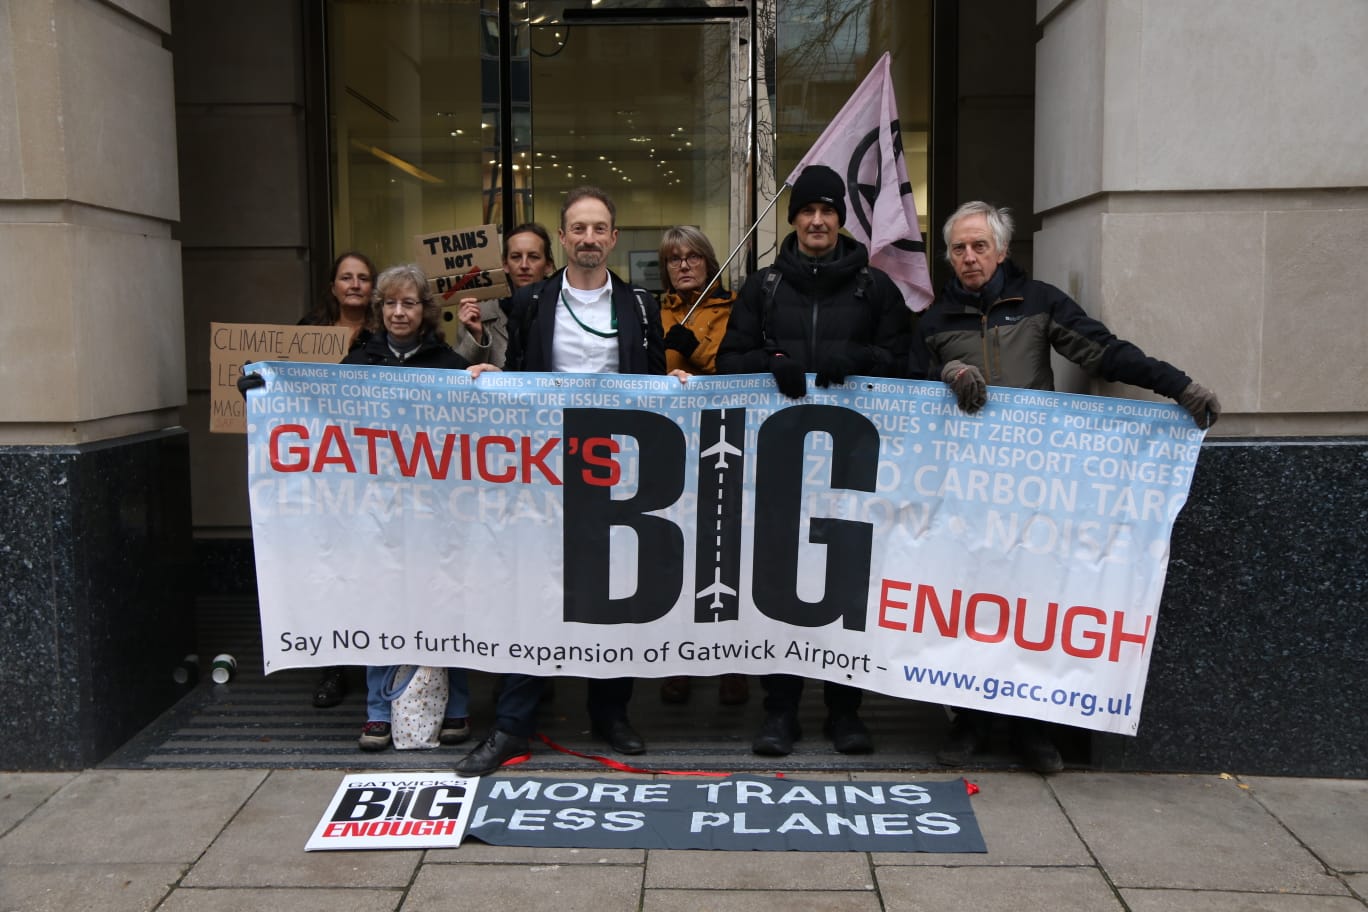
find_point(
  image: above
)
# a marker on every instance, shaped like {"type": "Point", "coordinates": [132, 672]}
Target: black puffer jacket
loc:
{"type": "Point", "coordinates": [840, 307]}
{"type": "Point", "coordinates": [1009, 338]}
{"type": "Point", "coordinates": [431, 352]}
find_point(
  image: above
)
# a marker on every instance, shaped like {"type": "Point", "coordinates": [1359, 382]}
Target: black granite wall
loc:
{"type": "Point", "coordinates": [96, 595]}
{"type": "Point", "coordinates": [1261, 654]}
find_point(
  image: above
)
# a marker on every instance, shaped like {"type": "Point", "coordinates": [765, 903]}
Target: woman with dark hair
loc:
{"type": "Point", "coordinates": [691, 341]}
{"type": "Point", "coordinates": [345, 302]}
{"type": "Point", "coordinates": [526, 259]}
{"type": "Point", "coordinates": [347, 299]}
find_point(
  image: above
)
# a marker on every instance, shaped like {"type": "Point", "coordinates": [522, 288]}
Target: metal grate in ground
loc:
{"type": "Point", "coordinates": [269, 722]}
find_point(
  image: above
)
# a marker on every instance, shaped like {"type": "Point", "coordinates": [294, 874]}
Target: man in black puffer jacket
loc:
{"type": "Point", "coordinates": [821, 307]}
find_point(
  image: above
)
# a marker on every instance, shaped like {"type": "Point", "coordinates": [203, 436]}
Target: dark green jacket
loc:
{"type": "Point", "coordinates": [1010, 337]}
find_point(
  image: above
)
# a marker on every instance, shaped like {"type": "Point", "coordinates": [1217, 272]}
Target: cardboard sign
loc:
{"type": "Point", "coordinates": [463, 263]}
{"type": "Point", "coordinates": [232, 345]}
{"type": "Point", "coordinates": [480, 284]}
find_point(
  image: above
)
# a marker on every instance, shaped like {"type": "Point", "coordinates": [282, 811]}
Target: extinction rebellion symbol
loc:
{"type": "Point", "coordinates": [862, 202]}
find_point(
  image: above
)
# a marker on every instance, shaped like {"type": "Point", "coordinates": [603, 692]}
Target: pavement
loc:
{"type": "Point", "coordinates": [194, 840]}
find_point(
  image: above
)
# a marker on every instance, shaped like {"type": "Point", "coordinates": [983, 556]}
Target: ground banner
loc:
{"type": "Point", "coordinates": [736, 813]}
{"type": "Point", "coordinates": [436, 810]}
{"type": "Point", "coordinates": [610, 525]}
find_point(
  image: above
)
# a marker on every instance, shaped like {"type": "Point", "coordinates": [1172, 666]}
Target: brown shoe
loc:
{"type": "Point", "coordinates": [733, 690]}
{"type": "Point", "coordinates": [675, 690]}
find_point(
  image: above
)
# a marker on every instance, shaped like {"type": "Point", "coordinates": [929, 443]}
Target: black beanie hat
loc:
{"type": "Point", "coordinates": [818, 184]}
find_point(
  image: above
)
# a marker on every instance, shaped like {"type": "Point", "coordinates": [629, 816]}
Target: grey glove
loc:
{"type": "Point", "coordinates": [1201, 403]}
{"type": "Point", "coordinates": [967, 381]}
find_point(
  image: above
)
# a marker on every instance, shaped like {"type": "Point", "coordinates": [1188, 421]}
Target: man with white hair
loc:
{"type": "Point", "coordinates": [992, 324]}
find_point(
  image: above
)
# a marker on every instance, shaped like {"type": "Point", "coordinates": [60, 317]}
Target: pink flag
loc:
{"type": "Point", "coordinates": [863, 144]}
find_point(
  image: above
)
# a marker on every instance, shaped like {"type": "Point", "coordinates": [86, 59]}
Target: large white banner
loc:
{"type": "Point", "coordinates": [607, 525]}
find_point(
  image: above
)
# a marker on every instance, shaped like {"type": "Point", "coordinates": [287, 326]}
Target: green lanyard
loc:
{"type": "Point", "coordinates": [565, 299]}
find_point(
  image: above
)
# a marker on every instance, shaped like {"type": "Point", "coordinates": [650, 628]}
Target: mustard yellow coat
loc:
{"type": "Point", "coordinates": [708, 323]}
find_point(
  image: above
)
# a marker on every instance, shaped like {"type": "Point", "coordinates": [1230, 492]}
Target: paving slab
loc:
{"type": "Point", "coordinates": [927, 889]}
{"type": "Point", "coordinates": [1329, 815]}
{"type": "Point", "coordinates": [119, 816]}
{"type": "Point", "coordinates": [1220, 901]}
{"type": "Point", "coordinates": [472, 850]}
{"type": "Point", "coordinates": [20, 793]}
{"type": "Point", "coordinates": [1187, 833]}
{"type": "Point", "coordinates": [759, 901]}
{"type": "Point", "coordinates": [86, 887]}
{"type": "Point", "coordinates": [563, 888]}
{"type": "Point", "coordinates": [264, 845]}
{"type": "Point", "coordinates": [710, 870]}
{"type": "Point", "coordinates": [285, 899]}
{"type": "Point", "coordinates": [1022, 824]}
{"type": "Point", "coordinates": [1359, 884]}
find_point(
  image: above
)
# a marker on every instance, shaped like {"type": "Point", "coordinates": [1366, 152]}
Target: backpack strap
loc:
{"type": "Point", "coordinates": [862, 282]}
{"type": "Point", "coordinates": [772, 279]}
{"type": "Point", "coordinates": [643, 312]}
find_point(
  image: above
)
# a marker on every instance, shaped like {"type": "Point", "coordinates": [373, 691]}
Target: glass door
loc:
{"type": "Point", "coordinates": [652, 106]}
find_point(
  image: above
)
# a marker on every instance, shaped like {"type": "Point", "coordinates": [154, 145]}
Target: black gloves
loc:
{"type": "Point", "coordinates": [681, 339]}
{"type": "Point", "coordinates": [834, 367]}
{"type": "Point", "coordinates": [789, 376]}
{"type": "Point", "coordinates": [967, 381]}
{"type": "Point", "coordinates": [249, 381]}
{"type": "Point", "coordinates": [1201, 403]}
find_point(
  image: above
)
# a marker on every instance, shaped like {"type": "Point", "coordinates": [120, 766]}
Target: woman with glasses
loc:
{"type": "Point", "coordinates": [693, 331]}
{"type": "Point", "coordinates": [404, 321]}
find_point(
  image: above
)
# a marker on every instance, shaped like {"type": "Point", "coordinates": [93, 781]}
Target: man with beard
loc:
{"type": "Point", "coordinates": [821, 307]}
{"type": "Point", "coordinates": [583, 319]}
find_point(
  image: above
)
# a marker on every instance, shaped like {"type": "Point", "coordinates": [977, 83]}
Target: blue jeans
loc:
{"type": "Point", "coordinates": [378, 710]}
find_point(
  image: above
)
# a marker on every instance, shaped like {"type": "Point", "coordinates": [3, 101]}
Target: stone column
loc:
{"type": "Point", "coordinates": [94, 513]}
{"type": "Point", "coordinates": [1202, 187]}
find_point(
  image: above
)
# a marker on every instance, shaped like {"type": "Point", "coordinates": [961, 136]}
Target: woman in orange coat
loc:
{"type": "Point", "coordinates": [691, 342]}
{"type": "Point", "coordinates": [690, 263]}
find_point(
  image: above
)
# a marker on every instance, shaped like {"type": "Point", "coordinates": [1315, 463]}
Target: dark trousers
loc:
{"type": "Point", "coordinates": [515, 711]}
{"type": "Point", "coordinates": [783, 691]}
{"type": "Point", "coordinates": [607, 699]}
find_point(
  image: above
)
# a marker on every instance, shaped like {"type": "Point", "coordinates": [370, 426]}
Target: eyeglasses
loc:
{"type": "Point", "coordinates": [692, 259]}
{"type": "Point", "coordinates": [405, 303]}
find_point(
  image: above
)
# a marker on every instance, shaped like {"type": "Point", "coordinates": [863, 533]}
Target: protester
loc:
{"type": "Point", "coordinates": [527, 259]}
{"type": "Point", "coordinates": [587, 320]}
{"type": "Point", "coordinates": [405, 318]}
{"type": "Point", "coordinates": [345, 302]}
{"type": "Point", "coordinates": [992, 324]}
{"type": "Point", "coordinates": [693, 332]}
{"type": "Point", "coordinates": [820, 307]}
{"type": "Point", "coordinates": [347, 299]}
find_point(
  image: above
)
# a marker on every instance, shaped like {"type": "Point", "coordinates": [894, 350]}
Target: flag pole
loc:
{"type": "Point", "coordinates": [737, 249]}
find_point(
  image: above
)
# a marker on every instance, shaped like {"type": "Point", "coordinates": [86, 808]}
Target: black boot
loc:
{"type": "Point", "coordinates": [848, 734]}
{"type": "Point", "coordinates": [777, 734]}
{"type": "Point", "coordinates": [331, 687]}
